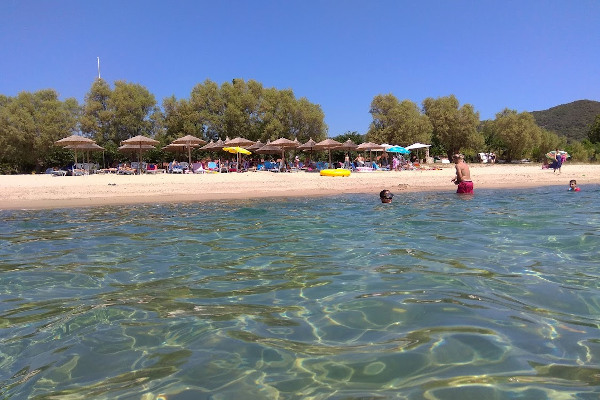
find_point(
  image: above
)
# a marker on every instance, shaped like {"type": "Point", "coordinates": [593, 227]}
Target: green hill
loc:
{"type": "Point", "coordinates": [571, 120]}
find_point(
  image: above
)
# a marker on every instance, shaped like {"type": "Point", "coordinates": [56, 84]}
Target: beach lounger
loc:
{"type": "Point", "coordinates": [198, 168]}
{"type": "Point", "coordinates": [151, 169]}
{"type": "Point", "coordinates": [56, 172]}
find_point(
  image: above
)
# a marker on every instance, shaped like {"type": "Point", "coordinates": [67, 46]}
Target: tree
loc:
{"type": "Point", "coordinates": [132, 106]}
{"type": "Point", "coordinates": [454, 127]}
{"type": "Point", "coordinates": [30, 124]}
{"type": "Point", "coordinates": [594, 130]}
{"type": "Point", "coordinates": [180, 119]}
{"type": "Point", "coordinates": [517, 133]}
{"type": "Point", "coordinates": [397, 122]}
{"type": "Point", "coordinates": [206, 100]}
{"type": "Point", "coordinates": [115, 115]}
{"type": "Point", "coordinates": [356, 137]}
{"type": "Point", "coordinates": [548, 141]}
{"type": "Point", "coordinates": [97, 116]}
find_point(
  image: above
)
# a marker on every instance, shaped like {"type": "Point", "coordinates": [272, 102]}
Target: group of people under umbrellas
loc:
{"type": "Point", "coordinates": [140, 143]}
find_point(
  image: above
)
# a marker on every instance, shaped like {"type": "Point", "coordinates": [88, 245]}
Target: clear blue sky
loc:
{"type": "Point", "coordinates": [526, 55]}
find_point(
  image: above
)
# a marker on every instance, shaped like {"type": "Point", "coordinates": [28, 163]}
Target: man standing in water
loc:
{"type": "Point", "coordinates": [463, 175]}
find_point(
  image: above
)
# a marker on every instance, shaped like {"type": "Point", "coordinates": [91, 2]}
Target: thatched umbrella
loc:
{"type": "Point", "coordinates": [238, 142]}
{"type": "Point", "coordinates": [268, 149]}
{"type": "Point", "coordinates": [348, 145]}
{"type": "Point", "coordinates": [257, 145]}
{"type": "Point", "coordinates": [87, 147]}
{"type": "Point", "coordinates": [370, 146]}
{"type": "Point", "coordinates": [140, 141]}
{"type": "Point", "coordinates": [283, 144]}
{"type": "Point", "coordinates": [189, 141]}
{"type": "Point", "coordinates": [328, 144]}
{"type": "Point", "coordinates": [207, 146]}
{"type": "Point", "coordinates": [73, 140]}
{"type": "Point", "coordinates": [308, 146]}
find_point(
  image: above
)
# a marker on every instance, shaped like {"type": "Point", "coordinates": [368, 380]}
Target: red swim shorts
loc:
{"type": "Point", "coordinates": [465, 187]}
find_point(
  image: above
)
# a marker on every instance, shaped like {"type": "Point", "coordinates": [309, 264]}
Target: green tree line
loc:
{"type": "Point", "coordinates": [451, 128]}
{"type": "Point", "coordinates": [30, 123]}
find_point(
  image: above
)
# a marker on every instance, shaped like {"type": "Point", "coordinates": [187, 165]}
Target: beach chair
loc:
{"type": "Point", "coordinates": [198, 168]}
{"type": "Point", "coordinates": [273, 167]}
{"type": "Point", "coordinates": [175, 169]}
{"type": "Point", "coordinates": [151, 169]}
{"type": "Point", "coordinates": [56, 172]}
{"type": "Point", "coordinates": [212, 166]}
{"type": "Point", "coordinates": [123, 169]}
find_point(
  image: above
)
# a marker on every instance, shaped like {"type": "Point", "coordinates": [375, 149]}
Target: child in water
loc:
{"type": "Point", "coordinates": [573, 186]}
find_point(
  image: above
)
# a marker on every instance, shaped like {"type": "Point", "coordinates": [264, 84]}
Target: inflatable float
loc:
{"type": "Point", "coordinates": [335, 172]}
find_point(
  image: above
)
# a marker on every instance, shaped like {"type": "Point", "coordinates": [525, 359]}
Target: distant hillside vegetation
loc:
{"type": "Point", "coordinates": [571, 120]}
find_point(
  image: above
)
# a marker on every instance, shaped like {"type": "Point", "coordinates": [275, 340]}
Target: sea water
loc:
{"type": "Point", "coordinates": [434, 296]}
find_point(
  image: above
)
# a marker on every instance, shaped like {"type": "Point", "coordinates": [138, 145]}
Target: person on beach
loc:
{"type": "Point", "coordinates": [463, 175]}
{"type": "Point", "coordinates": [573, 186]}
{"type": "Point", "coordinates": [360, 161]}
{"type": "Point", "coordinates": [386, 196]}
{"type": "Point", "coordinates": [557, 163]}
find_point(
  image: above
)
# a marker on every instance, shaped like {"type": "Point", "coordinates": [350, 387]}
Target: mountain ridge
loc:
{"type": "Point", "coordinates": [571, 120]}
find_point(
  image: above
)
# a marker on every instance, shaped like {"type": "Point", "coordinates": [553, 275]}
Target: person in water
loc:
{"type": "Point", "coordinates": [463, 175]}
{"type": "Point", "coordinates": [573, 186]}
{"type": "Point", "coordinates": [386, 196]}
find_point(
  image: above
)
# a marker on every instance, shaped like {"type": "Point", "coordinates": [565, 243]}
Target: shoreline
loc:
{"type": "Point", "coordinates": [50, 192]}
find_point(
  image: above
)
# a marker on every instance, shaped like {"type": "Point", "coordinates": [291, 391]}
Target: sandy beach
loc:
{"type": "Point", "coordinates": [46, 191]}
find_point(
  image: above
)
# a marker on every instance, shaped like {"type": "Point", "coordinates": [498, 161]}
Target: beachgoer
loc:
{"type": "Point", "coordinates": [386, 196]}
{"type": "Point", "coordinates": [360, 160]}
{"type": "Point", "coordinates": [557, 163]}
{"type": "Point", "coordinates": [573, 186]}
{"type": "Point", "coordinates": [347, 161]}
{"type": "Point", "coordinates": [463, 175]}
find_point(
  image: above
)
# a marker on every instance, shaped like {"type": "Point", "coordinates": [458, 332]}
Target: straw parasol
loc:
{"type": "Point", "coordinates": [132, 148]}
{"type": "Point", "coordinates": [73, 140]}
{"type": "Point", "coordinates": [283, 144]}
{"type": "Point", "coordinates": [140, 141]}
{"type": "Point", "coordinates": [255, 146]}
{"type": "Point", "coordinates": [328, 144]}
{"type": "Point", "coordinates": [208, 145]}
{"type": "Point", "coordinates": [218, 145]}
{"type": "Point", "coordinates": [87, 147]}
{"type": "Point", "coordinates": [308, 146]}
{"type": "Point", "coordinates": [370, 146]}
{"type": "Point", "coordinates": [268, 149]}
{"type": "Point", "coordinates": [348, 145]}
{"type": "Point", "coordinates": [239, 142]}
{"type": "Point", "coordinates": [189, 141]}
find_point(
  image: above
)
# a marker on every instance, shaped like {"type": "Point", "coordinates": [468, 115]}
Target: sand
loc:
{"type": "Point", "coordinates": [46, 191]}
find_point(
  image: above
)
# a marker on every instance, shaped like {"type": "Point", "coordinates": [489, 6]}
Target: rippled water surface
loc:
{"type": "Point", "coordinates": [435, 296]}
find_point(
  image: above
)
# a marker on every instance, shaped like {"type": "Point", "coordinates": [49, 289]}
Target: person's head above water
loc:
{"type": "Point", "coordinates": [386, 196]}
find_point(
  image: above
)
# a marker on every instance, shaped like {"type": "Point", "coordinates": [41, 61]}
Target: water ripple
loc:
{"type": "Point", "coordinates": [433, 296]}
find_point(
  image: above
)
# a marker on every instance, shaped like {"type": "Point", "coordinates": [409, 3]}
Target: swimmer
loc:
{"type": "Point", "coordinates": [573, 186]}
{"type": "Point", "coordinates": [386, 196]}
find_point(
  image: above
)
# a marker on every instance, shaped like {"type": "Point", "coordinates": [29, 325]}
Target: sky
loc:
{"type": "Point", "coordinates": [525, 55]}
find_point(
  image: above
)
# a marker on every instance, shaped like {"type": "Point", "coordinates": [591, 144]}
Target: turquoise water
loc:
{"type": "Point", "coordinates": [435, 296]}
